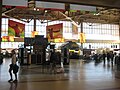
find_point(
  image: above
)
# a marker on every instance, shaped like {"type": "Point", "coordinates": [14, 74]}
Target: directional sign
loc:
{"type": "Point", "coordinates": [82, 7]}
{"type": "Point", "coordinates": [106, 3]}
{"type": "Point", "coordinates": [15, 2]}
{"type": "Point", "coordinates": [50, 5]}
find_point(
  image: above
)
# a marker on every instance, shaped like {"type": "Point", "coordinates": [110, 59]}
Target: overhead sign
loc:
{"type": "Point", "coordinates": [104, 3]}
{"type": "Point", "coordinates": [82, 7]}
{"type": "Point", "coordinates": [50, 5]}
{"type": "Point", "coordinates": [23, 3]}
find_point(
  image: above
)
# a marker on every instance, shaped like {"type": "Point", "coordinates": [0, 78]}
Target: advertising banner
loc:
{"type": "Point", "coordinates": [54, 31]}
{"type": "Point", "coordinates": [15, 29]}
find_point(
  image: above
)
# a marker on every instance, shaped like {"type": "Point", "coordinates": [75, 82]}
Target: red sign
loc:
{"type": "Point", "coordinates": [16, 29]}
{"type": "Point", "coordinates": [54, 31]}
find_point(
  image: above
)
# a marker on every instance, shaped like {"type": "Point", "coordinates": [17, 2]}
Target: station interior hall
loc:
{"type": "Point", "coordinates": [59, 45]}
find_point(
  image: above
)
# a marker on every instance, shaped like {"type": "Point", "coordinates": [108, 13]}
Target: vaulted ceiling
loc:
{"type": "Point", "coordinates": [107, 12]}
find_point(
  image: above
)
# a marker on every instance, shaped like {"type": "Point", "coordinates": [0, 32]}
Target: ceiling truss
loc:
{"type": "Point", "coordinates": [102, 15]}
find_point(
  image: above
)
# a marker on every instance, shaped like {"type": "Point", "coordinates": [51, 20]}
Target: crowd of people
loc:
{"type": "Point", "coordinates": [107, 57]}
{"type": "Point", "coordinates": [53, 58]}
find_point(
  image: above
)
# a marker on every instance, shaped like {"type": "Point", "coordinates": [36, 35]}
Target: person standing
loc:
{"type": "Point", "coordinates": [116, 58]}
{"type": "Point", "coordinates": [13, 67]}
{"type": "Point", "coordinates": [104, 57]}
{"type": "Point", "coordinates": [112, 57]}
{"type": "Point", "coordinates": [53, 60]}
{"type": "Point", "coordinates": [108, 57]}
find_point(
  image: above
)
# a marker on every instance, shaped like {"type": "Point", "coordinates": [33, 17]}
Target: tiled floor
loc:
{"type": "Point", "coordinates": [78, 76]}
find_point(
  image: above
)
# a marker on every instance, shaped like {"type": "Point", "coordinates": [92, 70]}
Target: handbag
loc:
{"type": "Point", "coordinates": [15, 68]}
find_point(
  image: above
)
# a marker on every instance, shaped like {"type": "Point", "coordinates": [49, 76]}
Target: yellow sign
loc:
{"type": "Point", "coordinates": [7, 38]}
{"type": "Point", "coordinates": [34, 33]}
{"type": "Point", "coordinates": [82, 38]}
{"type": "Point", "coordinates": [59, 40]}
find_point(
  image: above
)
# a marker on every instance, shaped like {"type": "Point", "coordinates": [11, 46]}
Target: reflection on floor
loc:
{"type": "Point", "coordinates": [78, 75]}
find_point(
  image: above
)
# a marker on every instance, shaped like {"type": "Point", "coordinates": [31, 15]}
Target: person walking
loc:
{"type": "Point", "coordinates": [53, 60]}
{"type": "Point", "coordinates": [13, 67]}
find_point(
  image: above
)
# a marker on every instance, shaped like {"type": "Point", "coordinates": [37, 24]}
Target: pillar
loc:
{"type": "Point", "coordinates": [117, 69]}
{"type": "Point", "coordinates": [34, 24]}
{"type": "Point", "coordinates": [119, 33]}
{"type": "Point", "coordinates": [81, 43]}
{"type": "Point", "coordinates": [0, 22]}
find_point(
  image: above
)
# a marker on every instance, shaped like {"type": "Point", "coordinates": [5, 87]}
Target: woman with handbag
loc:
{"type": "Point", "coordinates": [13, 67]}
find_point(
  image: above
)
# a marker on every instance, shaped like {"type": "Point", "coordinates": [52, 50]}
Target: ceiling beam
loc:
{"type": "Point", "coordinates": [103, 3]}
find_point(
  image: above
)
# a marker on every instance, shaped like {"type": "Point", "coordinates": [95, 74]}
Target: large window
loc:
{"type": "Point", "coordinates": [93, 31]}
{"type": "Point", "coordinates": [4, 27]}
{"type": "Point", "coordinates": [41, 28]}
{"type": "Point", "coordinates": [96, 31]}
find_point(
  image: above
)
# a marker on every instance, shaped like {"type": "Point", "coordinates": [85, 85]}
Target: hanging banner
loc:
{"type": "Point", "coordinates": [22, 3]}
{"type": "Point", "coordinates": [54, 31]}
{"type": "Point", "coordinates": [82, 38]}
{"type": "Point", "coordinates": [50, 5]}
{"type": "Point", "coordinates": [33, 33]}
{"type": "Point", "coordinates": [74, 31]}
{"type": "Point", "coordinates": [15, 29]}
